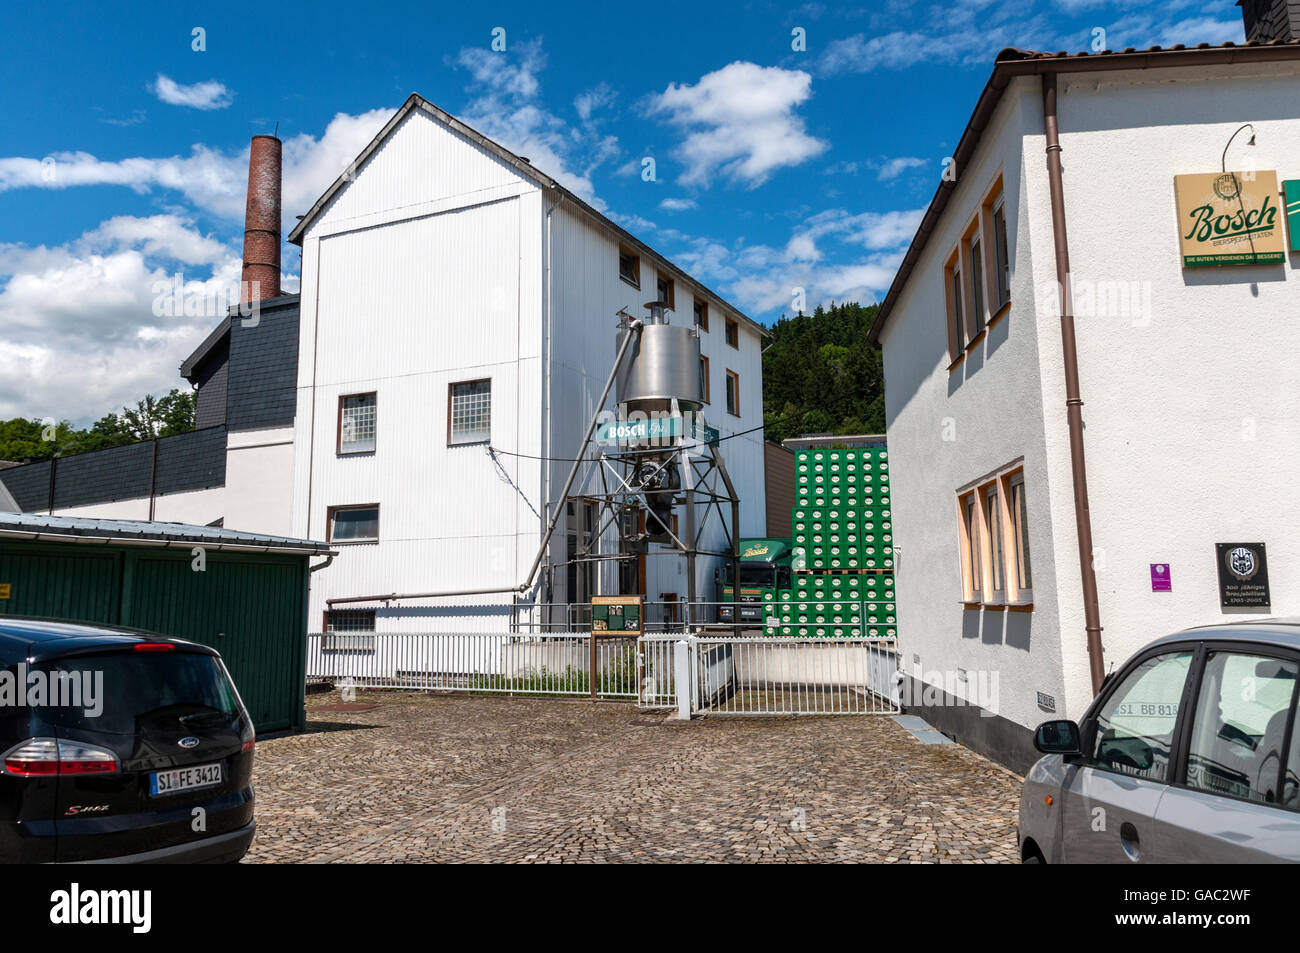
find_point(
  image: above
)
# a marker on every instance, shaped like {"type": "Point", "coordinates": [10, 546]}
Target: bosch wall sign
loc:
{"type": "Point", "coordinates": [1243, 575]}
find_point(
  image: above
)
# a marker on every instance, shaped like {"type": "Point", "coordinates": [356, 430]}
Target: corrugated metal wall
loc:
{"type": "Point", "coordinates": [251, 608]}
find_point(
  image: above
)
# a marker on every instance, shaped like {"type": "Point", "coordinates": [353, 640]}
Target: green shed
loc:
{"type": "Point", "coordinates": [244, 594]}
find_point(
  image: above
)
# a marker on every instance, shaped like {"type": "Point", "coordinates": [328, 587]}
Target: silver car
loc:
{"type": "Point", "coordinates": [1189, 754]}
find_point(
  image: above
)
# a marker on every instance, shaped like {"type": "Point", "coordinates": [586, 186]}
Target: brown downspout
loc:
{"type": "Point", "coordinates": [1073, 402]}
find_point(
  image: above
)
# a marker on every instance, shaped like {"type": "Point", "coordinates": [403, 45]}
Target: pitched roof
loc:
{"type": "Point", "coordinates": [523, 167]}
{"type": "Point", "coordinates": [1011, 63]}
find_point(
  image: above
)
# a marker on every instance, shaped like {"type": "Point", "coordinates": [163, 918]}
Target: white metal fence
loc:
{"type": "Point", "coordinates": [503, 663]}
{"type": "Point", "coordinates": [723, 673]}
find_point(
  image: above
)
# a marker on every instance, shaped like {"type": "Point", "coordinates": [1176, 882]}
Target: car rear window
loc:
{"type": "Point", "coordinates": [117, 689]}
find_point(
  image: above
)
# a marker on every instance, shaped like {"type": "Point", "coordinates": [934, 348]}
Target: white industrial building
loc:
{"type": "Point", "coordinates": [476, 301]}
{"type": "Point", "coordinates": [1186, 437]}
{"type": "Point", "coordinates": [457, 322]}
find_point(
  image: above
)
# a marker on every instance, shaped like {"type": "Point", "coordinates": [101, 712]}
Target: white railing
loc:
{"type": "Point", "coordinates": [777, 676]}
{"type": "Point", "coordinates": [501, 663]}
{"type": "Point", "coordinates": [724, 673]}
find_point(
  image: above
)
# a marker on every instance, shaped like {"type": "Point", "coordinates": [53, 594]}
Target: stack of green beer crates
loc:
{"type": "Point", "coordinates": [843, 543]}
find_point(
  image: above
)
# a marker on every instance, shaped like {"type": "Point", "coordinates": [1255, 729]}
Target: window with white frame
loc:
{"type": "Point", "coordinates": [469, 412]}
{"type": "Point", "coordinates": [349, 630]}
{"type": "Point", "coordinates": [357, 423]}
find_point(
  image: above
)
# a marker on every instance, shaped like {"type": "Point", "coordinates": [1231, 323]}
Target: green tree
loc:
{"type": "Point", "coordinates": [820, 375]}
{"type": "Point", "coordinates": [22, 438]}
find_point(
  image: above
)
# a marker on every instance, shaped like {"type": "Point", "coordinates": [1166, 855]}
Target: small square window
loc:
{"type": "Point", "coordinates": [349, 630]}
{"type": "Point", "coordinates": [469, 413]}
{"type": "Point", "coordinates": [733, 333]}
{"type": "Point", "coordinates": [356, 423]}
{"type": "Point", "coordinates": [629, 267]}
{"type": "Point", "coordinates": [353, 524]}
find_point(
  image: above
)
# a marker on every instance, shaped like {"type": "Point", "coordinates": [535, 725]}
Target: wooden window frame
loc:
{"type": "Point", "coordinates": [636, 267]}
{"type": "Point", "coordinates": [732, 375]}
{"type": "Point", "coordinates": [671, 302]}
{"type": "Point", "coordinates": [967, 323]}
{"type": "Point", "coordinates": [338, 430]}
{"type": "Point", "coordinates": [330, 511]}
{"type": "Point", "coordinates": [704, 369]}
{"type": "Point", "coordinates": [733, 332]}
{"type": "Point", "coordinates": [451, 389]}
{"type": "Point", "coordinates": [953, 304]}
{"type": "Point", "coordinates": [994, 489]}
{"type": "Point", "coordinates": [702, 312]}
{"type": "Point", "coordinates": [1016, 594]}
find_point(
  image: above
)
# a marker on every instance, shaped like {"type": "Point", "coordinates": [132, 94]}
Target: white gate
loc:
{"type": "Point", "coordinates": [771, 676]}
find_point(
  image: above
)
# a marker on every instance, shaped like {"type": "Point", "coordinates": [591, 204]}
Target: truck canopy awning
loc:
{"type": "Point", "coordinates": [772, 551]}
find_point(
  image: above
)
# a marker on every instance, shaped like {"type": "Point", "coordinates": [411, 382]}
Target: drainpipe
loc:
{"type": "Point", "coordinates": [1073, 402]}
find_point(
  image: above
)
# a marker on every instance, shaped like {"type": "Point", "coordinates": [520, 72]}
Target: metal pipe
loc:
{"type": "Point", "coordinates": [634, 333]}
{"type": "Point", "coordinates": [1073, 400]}
{"type": "Point", "coordinates": [398, 596]}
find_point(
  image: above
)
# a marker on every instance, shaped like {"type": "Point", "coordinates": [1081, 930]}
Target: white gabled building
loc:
{"type": "Point", "coordinates": [458, 323]}
{"type": "Point", "coordinates": [1187, 436]}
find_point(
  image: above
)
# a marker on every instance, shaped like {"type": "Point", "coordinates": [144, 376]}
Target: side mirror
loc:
{"type": "Point", "coordinates": [1057, 737]}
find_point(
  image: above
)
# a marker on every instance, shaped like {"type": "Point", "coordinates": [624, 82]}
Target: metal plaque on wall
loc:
{"type": "Point", "coordinates": [1243, 575]}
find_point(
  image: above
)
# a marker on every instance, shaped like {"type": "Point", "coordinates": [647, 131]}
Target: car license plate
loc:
{"type": "Point", "coordinates": [184, 779]}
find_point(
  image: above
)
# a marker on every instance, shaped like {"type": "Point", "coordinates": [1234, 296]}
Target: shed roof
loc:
{"type": "Point", "coordinates": [82, 529]}
{"type": "Point", "coordinates": [524, 168]}
{"type": "Point", "coordinates": [1011, 63]}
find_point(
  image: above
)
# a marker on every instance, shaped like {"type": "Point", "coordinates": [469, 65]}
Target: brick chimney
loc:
{"type": "Point", "coordinates": [1271, 19]}
{"type": "Point", "coordinates": [261, 274]}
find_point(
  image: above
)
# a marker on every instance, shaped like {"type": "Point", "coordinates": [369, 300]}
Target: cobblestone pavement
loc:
{"type": "Point", "coordinates": [427, 778]}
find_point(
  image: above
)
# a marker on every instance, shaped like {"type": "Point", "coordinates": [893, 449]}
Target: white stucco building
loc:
{"type": "Point", "coordinates": [1187, 435]}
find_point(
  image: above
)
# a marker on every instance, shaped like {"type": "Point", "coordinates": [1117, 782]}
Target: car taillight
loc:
{"type": "Point", "coordinates": [41, 757]}
{"type": "Point", "coordinates": [153, 647]}
{"type": "Point", "coordinates": [248, 737]}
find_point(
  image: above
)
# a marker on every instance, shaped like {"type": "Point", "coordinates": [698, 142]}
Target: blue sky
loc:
{"type": "Point", "coordinates": [124, 156]}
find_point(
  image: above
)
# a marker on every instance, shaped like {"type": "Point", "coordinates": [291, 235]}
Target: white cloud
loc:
{"type": "Point", "coordinates": [210, 179]}
{"type": "Point", "coordinates": [208, 95]}
{"type": "Point", "coordinates": [740, 123]}
{"type": "Point", "coordinates": [677, 205]}
{"type": "Point", "coordinates": [593, 99]}
{"type": "Point", "coordinates": [82, 336]}
{"type": "Point", "coordinates": [893, 168]}
{"type": "Point", "coordinates": [506, 106]}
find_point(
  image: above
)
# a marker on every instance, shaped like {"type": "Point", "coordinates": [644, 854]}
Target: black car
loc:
{"type": "Point", "coordinates": [119, 746]}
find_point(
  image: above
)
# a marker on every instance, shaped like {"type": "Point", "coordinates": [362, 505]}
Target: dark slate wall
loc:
{"type": "Point", "coordinates": [119, 473]}
{"type": "Point", "coordinates": [187, 461]}
{"type": "Point", "coordinates": [29, 485]}
{"type": "Point", "coordinates": [263, 387]}
{"type": "Point", "coordinates": [192, 461]}
{"type": "Point", "coordinates": [210, 410]}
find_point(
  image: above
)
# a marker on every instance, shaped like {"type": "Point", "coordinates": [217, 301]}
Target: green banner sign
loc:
{"type": "Point", "coordinates": [665, 429]}
{"type": "Point", "coordinates": [1291, 196]}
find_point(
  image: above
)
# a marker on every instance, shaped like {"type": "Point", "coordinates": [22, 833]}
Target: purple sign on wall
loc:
{"type": "Point", "coordinates": [1160, 580]}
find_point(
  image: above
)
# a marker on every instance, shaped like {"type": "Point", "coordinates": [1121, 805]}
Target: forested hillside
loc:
{"type": "Point", "coordinates": [821, 376]}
